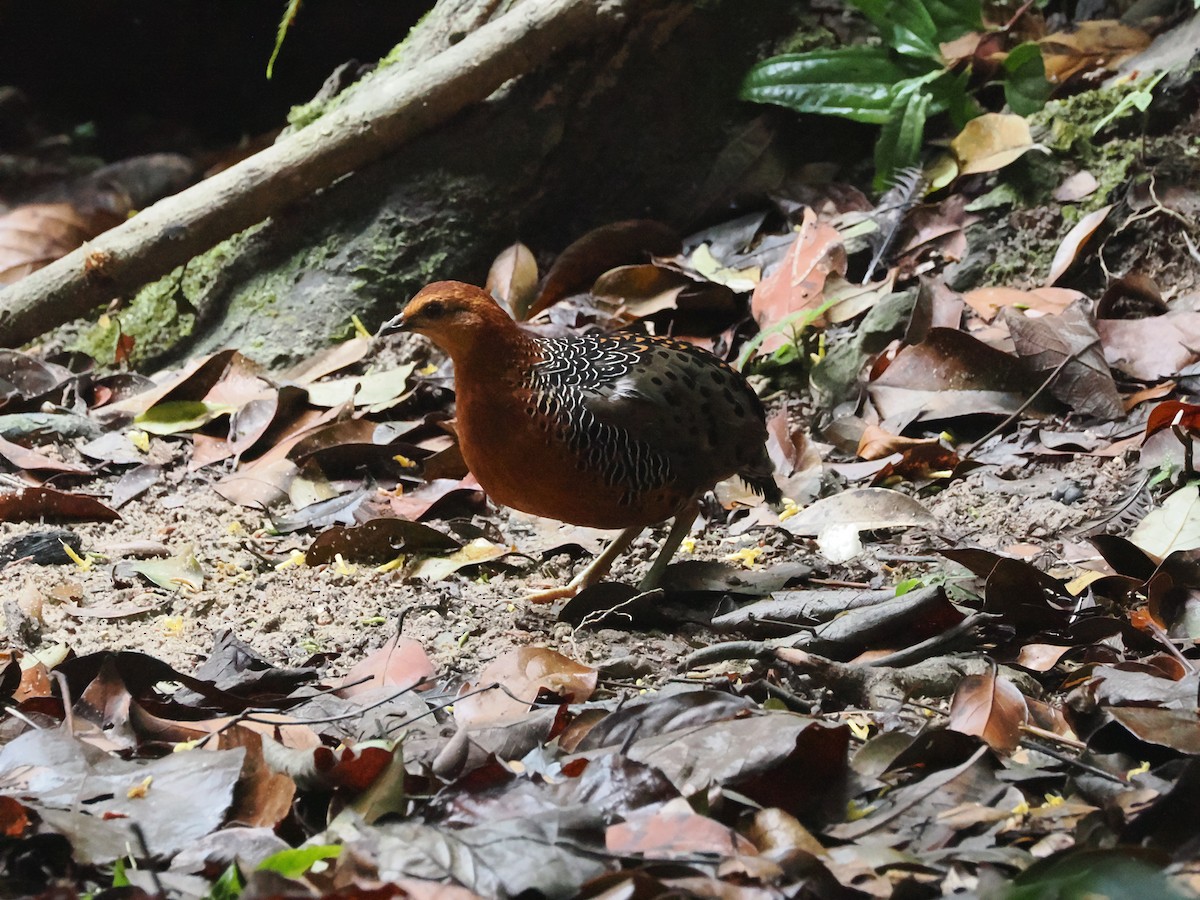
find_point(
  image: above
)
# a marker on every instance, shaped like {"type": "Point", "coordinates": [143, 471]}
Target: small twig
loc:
{"type": "Point", "coordinates": [834, 582]}
{"type": "Point", "coordinates": [1020, 12]}
{"type": "Point", "coordinates": [17, 714]}
{"type": "Point", "coordinates": [1074, 761]}
{"type": "Point", "coordinates": [140, 836]}
{"type": "Point", "coordinates": [922, 650]}
{"type": "Point", "coordinates": [596, 616]}
{"type": "Point", "coordinates": [68, 713]}
{"type": "Point", "coordinates": [1165, 639]}
{"type": "Point", "coordinates": [1073, 743]}
{"type": "Point", "coordinates": [416, 608]}
{"type": "Point", "coordinates": [1016, 414]}
{"type": "Point", "coordinates": [248, 714]}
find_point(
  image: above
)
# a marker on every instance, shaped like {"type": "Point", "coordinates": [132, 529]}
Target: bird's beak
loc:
{"type": "Point", "coordinates": [393, 325]}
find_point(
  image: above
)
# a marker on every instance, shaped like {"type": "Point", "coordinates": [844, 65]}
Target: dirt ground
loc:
{"type": "Point", "coordinates": [289, 613]}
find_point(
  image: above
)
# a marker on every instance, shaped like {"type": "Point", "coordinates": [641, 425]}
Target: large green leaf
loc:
{"type": "Point", "coordinates": [899, 144]}
{"type": "Point", "coordinates": [1079, 874]}
{"type": "Point", "coordinates": [856, 83]}
{"type": "Point", "coordinates": [906, 26]}
{"type": "Point", "coordinates": [954, 18]}
{"type": "Point", "coordinates": [294, 863]}
{"type": "Point", "coordinates": [950, 95]}
{"type": "Point", "coordinates": [1025, 86]}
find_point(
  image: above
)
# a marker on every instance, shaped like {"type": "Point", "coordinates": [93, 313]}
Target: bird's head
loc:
{"type": "Point", "coordinates": [459, 318]}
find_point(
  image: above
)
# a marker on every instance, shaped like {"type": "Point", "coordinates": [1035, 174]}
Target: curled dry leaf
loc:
{"type": "Point", "coordinates": [377, 391]}
{"type": "Point", "coordinates": [1098, 44]}
{"type": "Point", "coordinates": [1075, 240]}
{"type": "Point", "coordinates": [1069, 345]}
{"type": "Point", "coordinates": [524, 673]}
{"type": "Point", "coordinates": [377, 541]}
{"type": "Point", "coordinates": [604, 248]}
{"type": "Point", "coordinates": [326, 362]}
{"type": "Point", "coordinates": [673, 831]}
{"type": "Point", "coordinates": [1051, 301]}
{"type": "Point", "coordinates": [990, 142]}
{"type": "Point", "coordinates": [798, 284]}
{"type": "Point", "coordinates": [876, 443]}
{"type": "Point", "coordinates": [32, 461]}
{"type": "Point", "coordinates": [32, 504]}
{"type": "Point", "coordinates": [34, 236]}
{"type": "Point", "coordinates": [950, 374]}
{"type": "Point", "coordinates": [478, 551]}
{"type": "Point", "coordinates": [513, 278]}
{"type": "Point", "coordinates": [641, 290]}
{"type": "Point", "coordinates": [181, 571]}
{"type": "Point", "coordinates": [1171, 413]}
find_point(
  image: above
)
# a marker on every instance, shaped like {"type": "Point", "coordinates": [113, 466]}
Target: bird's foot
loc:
{"type": "Point", "coordinates": [573, 587]}
{"type": "Point", "coordinates": [592, 573]}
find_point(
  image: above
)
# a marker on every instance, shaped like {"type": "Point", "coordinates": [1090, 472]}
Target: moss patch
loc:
{"type": "Point", "coordinates": [162, 315]}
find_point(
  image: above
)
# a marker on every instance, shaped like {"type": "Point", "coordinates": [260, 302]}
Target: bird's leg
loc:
{"type": "Point", "coordinates": [595, 570]}
{"type": "Point", "coordinates": [679, 530]}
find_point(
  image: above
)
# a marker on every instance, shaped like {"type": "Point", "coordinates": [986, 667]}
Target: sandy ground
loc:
{"type": "Point", "coordinates": [289, 613]}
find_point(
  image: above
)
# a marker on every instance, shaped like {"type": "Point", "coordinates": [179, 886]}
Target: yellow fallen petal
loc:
{"type": "Point", "coordinates": [391, 565]}
{"type": "Point", "coordinates": [83, 564]}
{"type": "Point", "coordinates": [296, 558]}
{"type": "Point", "coordinates": [747, 556]}
{"type": "Point", "coordinates": [341, 566]}
{"type": "Point", "coordinates": [359, 328]}
{"type": "Point", "coordinates": [140, 790]}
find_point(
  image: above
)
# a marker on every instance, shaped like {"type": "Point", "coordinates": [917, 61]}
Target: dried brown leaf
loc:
{"type": "Point", "coordinates": [1074, 242]}
{"type": "Point", "coordinates": [798, 284]}
{"type": "Point", "coordinates": [512, 280]}
{"type": "Point", "coordinates": [990, 707]}
{"type": "Point", "coordinates": [525, 672]}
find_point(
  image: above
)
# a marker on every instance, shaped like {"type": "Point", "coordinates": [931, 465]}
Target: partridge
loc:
{"type": "Point", "coordinates": [614, 431]}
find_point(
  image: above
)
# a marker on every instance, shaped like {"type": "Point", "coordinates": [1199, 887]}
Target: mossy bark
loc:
{"type": "Point", "coordinates": [645, 125]}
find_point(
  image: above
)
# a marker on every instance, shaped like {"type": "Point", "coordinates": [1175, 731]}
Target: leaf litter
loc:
{"type": "Point", "coordinates": [299, 659]}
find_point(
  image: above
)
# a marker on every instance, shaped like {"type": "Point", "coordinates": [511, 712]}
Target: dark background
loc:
{"type": "Point", "coordinates": [183, 74]}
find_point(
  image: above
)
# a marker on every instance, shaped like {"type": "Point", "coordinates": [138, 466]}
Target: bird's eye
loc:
{"type": "Point", "coordinates": [434, 309]}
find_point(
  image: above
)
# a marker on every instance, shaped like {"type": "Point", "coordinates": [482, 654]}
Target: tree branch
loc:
{"type": "Point", "coordinates": [398, 104]}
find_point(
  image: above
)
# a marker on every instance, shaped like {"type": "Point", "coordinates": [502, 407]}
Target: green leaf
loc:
{"type": "Point", "coordinates": [954, 18]}
{"type": "Point", "coordinates": [229, 886]}
{"type": "Point", "coordinates": [857, 83]}
{"type": "Point", "coordinates": [294, 863]}
{"type": "Point", "coordinates": [1077, 873]}
{"type": "Point", "coordinates": [906, 26]}
{"type": "Point", "coordinates": [178, 572]}
{"type": "Point", "coordinates": [1173, 526]}
{"type": "Point", "coordinates": [950, 96]}
{"type": "Point", "coordinates": [176, 416]}
{"type": "Point", "coordinates": [1025, 86]}
{"type": "Point", "coordinates": [119, 878]}
{"type": "Point", "coordinates": [289, 16]}
{"type": "Point", "coordinates": [899, 144]}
